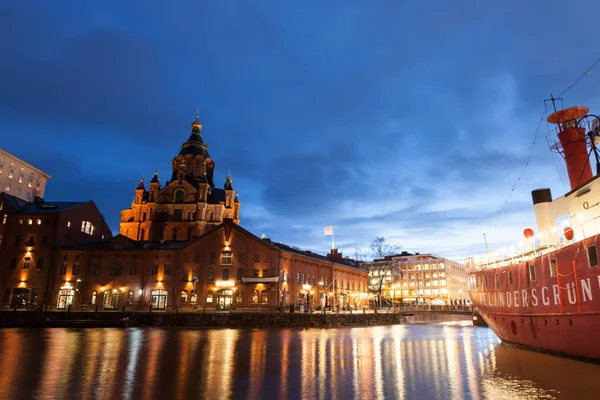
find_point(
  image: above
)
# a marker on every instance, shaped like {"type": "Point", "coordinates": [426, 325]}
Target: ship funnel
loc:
{"type": "Point", "coordinates": [573, 142]}
{"type": "Point", "coordinates": [542, 200]}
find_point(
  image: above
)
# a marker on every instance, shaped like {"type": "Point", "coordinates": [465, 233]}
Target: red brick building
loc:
{"type": "Point", "coordinates": [223, 268]}
{"type": "Point", "coordinates": [29, 234]}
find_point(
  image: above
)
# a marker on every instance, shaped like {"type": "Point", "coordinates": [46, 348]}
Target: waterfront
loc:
{"type": "Point", "coordinates": [400, 361]}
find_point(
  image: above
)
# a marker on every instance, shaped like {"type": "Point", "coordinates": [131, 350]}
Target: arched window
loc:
{"type": "Point", "coordinates": [190, 232]}
{"type": "Point", "coordinates": [178, 197]}
{"type": "Point", "coordinates": [174, 234]}
{"type": "Point", "coordinates": [198, 168]}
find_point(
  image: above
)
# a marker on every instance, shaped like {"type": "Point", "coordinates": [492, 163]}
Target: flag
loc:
{"type": "Point", "coordinates": [328, 230]}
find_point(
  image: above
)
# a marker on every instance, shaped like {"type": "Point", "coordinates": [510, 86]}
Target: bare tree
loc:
{"type": "Point", "coordinates": [381, 271]}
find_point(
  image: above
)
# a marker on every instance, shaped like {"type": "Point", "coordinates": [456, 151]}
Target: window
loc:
{"type": "Point", "coordinates": [142, 234]}
{"type": "Point", "coordinates": [7, 187]}
{"type": "Point", "coordinates": [193, 297]}
{"type": "Point", "coordinates": [239, 298]}
{"type": "Point", "coordinates": [240, 273]}
{"type": "Point", "coordinates": [40, 263]}
{"type": "Point", "coordinates": [241, 257]}
{"type": "Point", "coordinates": [211, 274]}
{"type": "Point", "coordinates": [225, 274]}
{"type": "Point", "coordinates": [4, 218]}
{"type": "Point", "coordinates": [281, 275]}
{"type": "Point", "coordinates": [592, 256]}
{"type": "Point", "coordinates": [155, 269]}
{"type": "Point", "coordinates": [254, 297]}
{"type": "Point", "coordinates": [190, 233]}
{"type": "Point", "coordinates": [298, 277]}
{"type": "Point", "coordinates": [133, 269]}
{"type": "Point", "coordinates": [184, 296]}
{"type": "Point", "coordinates": [130, 297]}
{"type": "Point", "coordinates": [553, 268]}
{"type": "Point", "coordinates": [496, 280]}
{"type": "Point", "coordinates": [174, 234]}
{"type": "Point", "coordinates": [76, 269]}
{"type": "Point", "coordinates": [178, 197]}
{"type": "Point", "coordinates": [195, 275]}
{"type": "Point", "coordinates": [209, 296]}
{"type": "Point", "coordinates": [20, 178]}
{"type": "Point", "coordinates": [18, 191]}
{"type": "Point", "coordinates": [265, 297]}
{"type": "Point", "coordinates": [38, 221]}
{"type": "Point", "coordinates": [263, 273]}
{"type": "Point", "coordinates": [96, 270]}
{"type": "Point", "coordinates": [167, 268]}
{"type": "Point", "coordinates": [26, 263]}
{"type": "Point", "coordinates": [63, 269]}
{"type": "Point", "coordinates": [17, 240]}
{"type": "Point", "coordinates": [532, 273]}
{"type": "Point", "coordinates": [31, 240]}
{"type": "Point", "coordinates": [226, 258]}
{"type": "Point", "coordinates": [304, 280]}
{"type": "Point", "coordinates": [28, 195]}
{"type": "Point", "coordinates": [144, 216]}
{"type": "Point", "coordinates": [485, 281]}
{"type": "Point", "coordinates": [29, 183]}
{"type": "Point", "coordinates": [94, 296]}
{"type": "Point", "coordinates": [255, 273]}
{"type": "Point", "coordinates": [115, 270]}
{"type": "Point", "coordinates": [256, 259]}
{"type": "Point", "coordinates": [212, 258]}
{"type": "Point", "coordinates": [44, 241]}
{"type": "Point", "coordinates": [86, 227]}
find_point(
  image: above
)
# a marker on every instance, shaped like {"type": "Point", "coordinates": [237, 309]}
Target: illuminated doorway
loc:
{"type": "Point", "coordinates": [224, 299]}
{"type": "Point", "coordinates": [159, 299]}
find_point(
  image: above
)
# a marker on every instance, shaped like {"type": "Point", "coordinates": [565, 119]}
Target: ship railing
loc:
{"type": "Point", "coordinates": [539, 244]}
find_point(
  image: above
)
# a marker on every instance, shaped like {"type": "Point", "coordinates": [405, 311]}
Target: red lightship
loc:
{"type": "Point", "coordinates": [544, 292]}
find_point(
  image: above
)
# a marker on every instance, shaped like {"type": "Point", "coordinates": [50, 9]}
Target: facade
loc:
{"type": "Point", "coordinates": [226, 267]}
{"type": "Point", "coordinates": [29, 234]}
{"type": "Point", "coordinates": [188, 205]}
{"type": "Point", "coordinates": [423, 278]}
{"type": "Point", "coordinates": [20, 179]}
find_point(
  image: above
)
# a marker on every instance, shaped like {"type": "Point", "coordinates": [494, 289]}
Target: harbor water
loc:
{"type": "Point", "coordinates": [452, 361]}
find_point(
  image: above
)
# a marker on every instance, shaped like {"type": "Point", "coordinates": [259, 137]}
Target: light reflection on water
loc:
{"type": "Point", "coordinates": [402, 362]}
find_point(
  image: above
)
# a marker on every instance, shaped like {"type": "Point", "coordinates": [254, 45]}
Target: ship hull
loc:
{"type": "Point", "coordinates": [556, 312]}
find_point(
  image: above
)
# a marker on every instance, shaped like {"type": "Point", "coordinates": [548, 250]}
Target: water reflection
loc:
{"type": "Point", "coordinates": [401, 362]}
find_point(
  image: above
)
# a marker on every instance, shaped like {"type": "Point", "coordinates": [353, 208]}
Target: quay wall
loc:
{"type": "Point", "coordinates": [44, 319]}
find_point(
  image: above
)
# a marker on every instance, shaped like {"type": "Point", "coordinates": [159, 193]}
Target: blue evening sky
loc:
{"type": "Point", "coordinates": [405, 119]}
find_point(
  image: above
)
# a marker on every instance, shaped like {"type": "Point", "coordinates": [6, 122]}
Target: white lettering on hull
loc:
{"type": "Point", "coordinates": [571, 293]}
{"type": "Point", "coordinates": [545, 298]}
{"type": "Point", "coordinates": [516, 294]}
{"type": "Point", "coordinates": [534, 299]}
{"type": "Point", "coordinates": [508, 299]}
{"type": "Point", "coordinates": [586, 289]}
{"type": "Point", "coordinates": [556, 295]}
{"type": "Point", "coordinates": [524, 296]}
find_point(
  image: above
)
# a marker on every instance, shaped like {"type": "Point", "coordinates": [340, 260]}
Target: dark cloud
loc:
{"type": "Point", "coordinates": [406, 120]}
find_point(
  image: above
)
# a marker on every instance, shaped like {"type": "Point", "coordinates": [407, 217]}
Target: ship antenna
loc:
{"type": "Point", "coordinates": [553, 100]}
{"type": "Point", "coordinates": [487, 249]}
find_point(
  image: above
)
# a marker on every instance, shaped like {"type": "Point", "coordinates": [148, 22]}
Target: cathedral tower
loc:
{"type": "Point", "coordinates": [187, 205]}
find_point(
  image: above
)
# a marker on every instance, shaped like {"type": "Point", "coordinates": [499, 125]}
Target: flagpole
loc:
{"type": "Point", "coordinates": [332, 241]}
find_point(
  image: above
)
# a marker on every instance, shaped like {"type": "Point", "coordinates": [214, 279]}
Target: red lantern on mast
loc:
{"type": "Point", "coordinates": [569, 234]}
{"type": "Point", "coordinates": [528, 233]}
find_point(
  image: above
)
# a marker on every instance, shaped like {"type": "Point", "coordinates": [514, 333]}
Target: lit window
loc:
{"type": "Point", "coordinates": [39, 222]}
{"type": "Point", "coordinates": [4, 219]}
{"type": "Point", "coordinates": [7, 187]}
{"type": "Point", "coordinates": [21, 178]}
{"type": "Point", "coordinates": [254, 298]}
{"type": "Point", "coordinates": [209, 296]}
{"type": "Point", "coordinates": [29, 183]}
{"type": "Point", "coordinates": [226, 258]}
{"type": "Point", "coordinates": [10, 173]}
{"type": "Point", "coordinates": [30, 222]}
{"type": "Point", "coordinates": [87, 227]}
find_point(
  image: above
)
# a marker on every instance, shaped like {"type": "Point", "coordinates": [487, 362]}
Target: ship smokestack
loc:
{"type": "Point", "coordinates": [573, 141]}
{"type": "Point", "coordinates": [542, 200]}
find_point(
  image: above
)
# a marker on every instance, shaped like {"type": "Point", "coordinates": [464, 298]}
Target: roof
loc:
{"type": "Point", "coordinates": [217, 196]}
{"type": "Point", "coordinates": [39, 206]}
{"type": "Point", "coordinates": [6, 153]}
{"type": "Point", "coordinates": [114, 243]}
{"type": "Point", "coordinates": [195, 145]}
{"type": "Point", "coordinates": [309, 253]}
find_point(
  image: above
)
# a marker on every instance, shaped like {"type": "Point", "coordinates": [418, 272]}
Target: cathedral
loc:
{"type": "Point", "coordinates": [186, 206]}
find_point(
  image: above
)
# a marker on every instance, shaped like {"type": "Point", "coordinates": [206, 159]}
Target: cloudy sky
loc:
{"type": "Point", "coordinates": [410, 120]}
